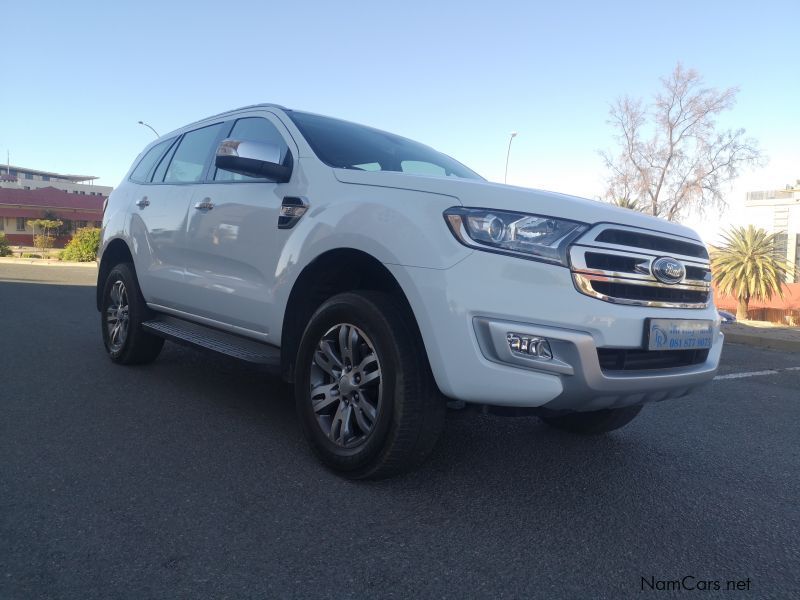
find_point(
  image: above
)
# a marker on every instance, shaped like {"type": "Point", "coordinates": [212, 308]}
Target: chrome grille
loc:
{"type": "Point", "coordinates": [614, 263]}
{"type": "Point", "coordinates": [649, 241]}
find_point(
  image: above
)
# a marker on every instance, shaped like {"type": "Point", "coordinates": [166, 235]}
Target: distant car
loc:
{"type": "Point", "coordinates": [726, 316]}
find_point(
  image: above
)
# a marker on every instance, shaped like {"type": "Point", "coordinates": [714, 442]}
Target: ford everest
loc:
{"type": "Point", "coordinates": [384, 279]}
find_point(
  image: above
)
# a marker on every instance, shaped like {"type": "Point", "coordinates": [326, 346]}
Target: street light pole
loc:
{"type": "Point", "coordinates": [510, 139]}
{"type": "Point", "coordinates": [148, 126]}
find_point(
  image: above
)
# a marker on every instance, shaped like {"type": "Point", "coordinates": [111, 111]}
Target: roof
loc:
{"type": "Point", "coordinates": [248, 107]}
{"type": "Point", "coordinates": [226, 113]}
{"type": "Point", "coordinates": [73, 178]}
{"type": "Point", "coordinates": [49, 198]}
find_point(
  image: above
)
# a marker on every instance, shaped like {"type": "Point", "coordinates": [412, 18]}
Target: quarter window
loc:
{"type": "Point", "coordinates": [189, 161]}
{"type": "Point", "coordinates": [148, 161]}
{"type": "Point", "coordinates": [255, 129]}
{"type": "Point", "coordinates": [161, 169]}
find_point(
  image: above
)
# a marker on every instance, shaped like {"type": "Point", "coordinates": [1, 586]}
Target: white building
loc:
{"type": "Point", "coordinates": [33, 179]}
{"type": "Point", "coordinates": [778, 211]}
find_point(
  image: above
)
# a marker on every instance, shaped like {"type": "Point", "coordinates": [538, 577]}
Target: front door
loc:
{"type": "Point", "coordinates": [233, 241]}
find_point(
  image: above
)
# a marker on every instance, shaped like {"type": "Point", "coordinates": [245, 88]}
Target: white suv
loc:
{"type": "Point", "coordinates": [385, 279]}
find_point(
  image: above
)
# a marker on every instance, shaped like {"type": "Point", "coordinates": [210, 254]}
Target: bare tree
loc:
{"type": "Point", "coordinates": [673, 158]}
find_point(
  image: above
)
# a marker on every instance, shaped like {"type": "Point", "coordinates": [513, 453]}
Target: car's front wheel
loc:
{"type": "Point", "coordinates": [123, 310]}
{"type": "Point", "coordinates": [364, 391]}
{"type": "Point", "coordinates": [593, 422]}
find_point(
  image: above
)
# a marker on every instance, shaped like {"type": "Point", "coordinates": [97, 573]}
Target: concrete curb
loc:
{"type": "Point", "coordinates": [44, 262]}
{"type": "Point", "coordinates": [762, 342]}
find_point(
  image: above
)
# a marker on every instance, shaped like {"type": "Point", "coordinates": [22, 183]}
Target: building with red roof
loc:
{"type": "Point", "coordinates": [18, 206]}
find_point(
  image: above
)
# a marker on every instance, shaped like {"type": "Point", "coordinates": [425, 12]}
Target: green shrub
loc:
{"type": "Point", "coordinates": [5, 249]}
{"type": "Point", "coordinates": [83, 246]}
{"type": "Point", "coordinates": [31, 255]}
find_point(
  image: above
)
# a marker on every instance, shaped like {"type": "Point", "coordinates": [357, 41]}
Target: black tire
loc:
{"type": "Point", "coordinates": [138, 347]}
{"type": "Point", "coordinates": [410, 409]}
{"type": "Point", "coordinates": [594, 422]}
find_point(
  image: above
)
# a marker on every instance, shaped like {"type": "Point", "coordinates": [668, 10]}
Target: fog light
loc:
{"type": "Point", "coordinates": [529, 345]}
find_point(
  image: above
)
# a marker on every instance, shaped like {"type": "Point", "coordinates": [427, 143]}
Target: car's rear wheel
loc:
{"type": "Point", "coordinates": [364, 391]}
{"type": "Point", "coordinates": [123, 310]}
{"type": "Point", "coordinates": [594, 422]}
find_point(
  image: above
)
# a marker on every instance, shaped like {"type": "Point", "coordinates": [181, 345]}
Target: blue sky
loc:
{"type": "Point", "coordinates": [456, 75]}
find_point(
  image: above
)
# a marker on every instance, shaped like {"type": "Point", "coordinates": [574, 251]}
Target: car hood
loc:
{"type": "Point", "coordinates": [483, 194]}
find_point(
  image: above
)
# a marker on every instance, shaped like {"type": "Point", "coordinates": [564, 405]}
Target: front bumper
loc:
{"type": "Point", "coordinates": [465, 312]}
{"type": "Point", "coordinates": [585, 386]}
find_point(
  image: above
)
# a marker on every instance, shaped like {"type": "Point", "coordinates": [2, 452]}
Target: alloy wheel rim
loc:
{"type": "Point", "coordinates": [346, 385]}
{"type": "Point", "coordinates": [117, 316]}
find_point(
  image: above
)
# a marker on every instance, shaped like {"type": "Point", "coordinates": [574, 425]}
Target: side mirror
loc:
{"type": "Point", "coordinates": [254, 159]}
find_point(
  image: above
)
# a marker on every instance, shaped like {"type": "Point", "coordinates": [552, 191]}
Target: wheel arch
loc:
{"type": "Point", "coordinates": [333, 272]}
{"type": "Point", "coordinates": [115, 252]}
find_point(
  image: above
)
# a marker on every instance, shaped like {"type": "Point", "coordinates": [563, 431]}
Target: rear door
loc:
{"type": "Point", "coordinates": [155, 220]}
{"type": "Point", "coordinates": [160, 210]}
{"type": "Point", "coordinates": [233, 241]}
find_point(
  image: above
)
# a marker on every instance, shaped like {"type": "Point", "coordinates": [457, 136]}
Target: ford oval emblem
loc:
{"type": "Point", "coordinates": [668, 270]}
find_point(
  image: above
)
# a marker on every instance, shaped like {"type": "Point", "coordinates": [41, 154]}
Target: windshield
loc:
{"type": "Point", "coordinates": [345, 145]}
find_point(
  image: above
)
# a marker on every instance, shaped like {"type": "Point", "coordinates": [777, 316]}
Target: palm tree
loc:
{"type": "Point", "coordinates": [747, 266]}
{"type": "Point", "coordinates": [626, 203]}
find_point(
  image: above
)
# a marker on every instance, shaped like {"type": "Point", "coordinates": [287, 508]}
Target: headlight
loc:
{"type": "Point", "coordinates": [518, 234]}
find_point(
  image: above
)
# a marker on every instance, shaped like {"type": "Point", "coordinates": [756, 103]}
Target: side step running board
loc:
{"type": "Point", "coordinates": [207, 338]}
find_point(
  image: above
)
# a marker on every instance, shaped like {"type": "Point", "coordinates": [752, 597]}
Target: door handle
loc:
{"type": "Point", "coordinates": [143, 202]}
{"type": "Point", "coordinates": [206, 204]}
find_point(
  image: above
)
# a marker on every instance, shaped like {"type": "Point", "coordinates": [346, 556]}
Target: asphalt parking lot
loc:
{"type": "Point", "coordinates": [189, 478]}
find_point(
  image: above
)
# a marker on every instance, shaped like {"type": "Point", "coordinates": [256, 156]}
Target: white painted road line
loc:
{"type": "Point", "coordinates": [742, 375]}
{"type": "Point", "coordinates": [755, 373]}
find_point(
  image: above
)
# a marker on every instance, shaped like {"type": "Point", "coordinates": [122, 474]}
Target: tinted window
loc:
{"type": "Point", "coordinates": [256, 129]}
{"type": "Point", "coordinates": [349, 146]}
{"type": "Point", "coordinates": [142, 170]}
{"type": "Point", "coordinates": [189, 161]}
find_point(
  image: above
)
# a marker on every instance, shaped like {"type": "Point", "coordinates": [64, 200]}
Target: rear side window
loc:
{"type": "Point", "coordinates": [142, 171]}
{"type": "Point", "coordinates": [255, 129]}
{"type": "Point", "coordinates": [189, 161]}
